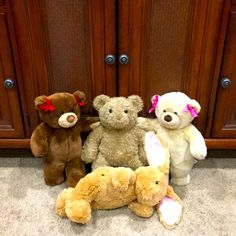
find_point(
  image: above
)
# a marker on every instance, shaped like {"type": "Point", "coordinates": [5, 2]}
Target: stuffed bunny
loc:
{"type": "Point", "coordinates": [113, 187]}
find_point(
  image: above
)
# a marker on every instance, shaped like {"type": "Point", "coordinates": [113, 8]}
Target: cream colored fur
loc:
{"type": "Point", "coordinates": [185, 142]}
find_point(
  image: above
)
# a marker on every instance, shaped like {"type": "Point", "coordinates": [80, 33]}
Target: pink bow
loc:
{"type": "Point", "coordinates": [190, 109]}
{"type": "Point", "coordinates": [154, 103]}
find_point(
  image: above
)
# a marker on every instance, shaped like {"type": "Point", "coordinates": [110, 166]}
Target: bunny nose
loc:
{"type": "Point", "coordinates": [70, 118]}
{"type": "Point", "coordinates": [168, 118]}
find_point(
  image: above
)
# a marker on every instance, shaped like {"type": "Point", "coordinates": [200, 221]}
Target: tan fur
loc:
{"type": "Point", "coordinates": [116, 141]}
{"type": "Point", "coordinates": [60, 147]}
{"type": "Point", "coordinates": [113, 187]}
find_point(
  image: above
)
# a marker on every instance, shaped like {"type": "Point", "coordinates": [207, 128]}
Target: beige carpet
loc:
{"type": "Point", "coordinates": [27, 204]}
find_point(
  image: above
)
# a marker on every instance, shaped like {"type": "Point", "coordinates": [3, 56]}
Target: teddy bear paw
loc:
{"type": "Point", "coordinates": [78, 211]}
{"type": "Point", "coordinates": [198, 152]}
{"type": "Point", "coordinates": [56, 181]}
{"type": "Point", "coordinates": [181, 181]}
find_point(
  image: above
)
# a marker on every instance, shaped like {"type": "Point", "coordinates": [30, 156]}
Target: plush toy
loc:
{"type": "Point", "coordinates": [116, 141]}
{"type": "Point", "coordinates": [175, 111]}
{"type": "Point", "coordinates": [57, 139]}
{"type": "Point", "coordinates": [113, 187]}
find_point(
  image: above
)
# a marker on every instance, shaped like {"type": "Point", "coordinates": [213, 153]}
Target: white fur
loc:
{"type": "Point", "coordinates": [154, 150]}
{"type": "Point", "coordinates": [62, 121]}
{"type": "Point", "coordinates": [170, 211]}
{"type": "Point", "coordinates": [184, 141]}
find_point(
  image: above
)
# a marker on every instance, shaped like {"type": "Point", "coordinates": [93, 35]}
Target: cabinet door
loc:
{"type": "Point", "coordinates": [163, 39]}
{"type": "Point", "coordinates": [70, 41]}
{"type": "Point", "coordinates": [225, 108]}
{"type": "Point", "coordinates": [10, 115]}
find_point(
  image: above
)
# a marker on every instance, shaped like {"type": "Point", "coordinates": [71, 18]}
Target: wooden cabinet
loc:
{"type": "Point", "coordinates": [224, 122]}
{"type": "Point", "coordinates": [11, 125]}
{"type": "Point", "coordinates": [171, 45]}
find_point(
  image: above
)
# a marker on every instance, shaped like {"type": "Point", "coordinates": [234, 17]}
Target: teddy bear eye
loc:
{"type": "Point", "coordinates": [164, 110]}
{"type": "Point", "coordinates": [110, 110]}
{"type": "Point", "coordinates": [157, 182]}
{"type": "Point", "coordinates": [126, 111]}
{"type": "Point", "coordinates": [175, 113]}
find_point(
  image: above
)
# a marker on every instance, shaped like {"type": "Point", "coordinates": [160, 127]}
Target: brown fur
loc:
{"type": "Point", "coordinates": [60, 147]}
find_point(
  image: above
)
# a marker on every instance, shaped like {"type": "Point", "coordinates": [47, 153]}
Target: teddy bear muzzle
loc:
{"type": "Point", "coordinates": [67, 120]}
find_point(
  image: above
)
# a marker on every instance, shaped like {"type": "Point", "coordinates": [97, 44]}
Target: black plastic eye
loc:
{"type": "Point", "coordinates": [110, 110]}
{"type": "Point", "coordinates": [175, 113]}
{"type": "Point", "coordinates": [164, 110]}
{"type": "Point", "coordinates": [102, 174]}
{"type": "Point", "coordinates": [126, 111]}
{"type": "Point", "coordinates": [157, 182]}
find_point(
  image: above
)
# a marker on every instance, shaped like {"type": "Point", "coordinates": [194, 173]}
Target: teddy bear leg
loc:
{"type": "Point", "coordinates": [75, 170]}
{"type": "Point", "coordinates": [141, 210]}
{"type": "Point", "coordinates": [53, 173]}
{"type": "Point", "coordinates": [61, 201]}
{"type": "Point", "coordinates": [78, 211]}
{"type": "Point", "coordinates": [180, 174]}
{"type": "Point", "coordinates": [100, 162]}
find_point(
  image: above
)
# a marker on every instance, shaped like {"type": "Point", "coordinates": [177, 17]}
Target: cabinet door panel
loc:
{"type": "Point", "coordinates": [75, 36]}
{"type": "Point", "coordinates": [10, 116]}
{"type": "Point", "coordinates": [163, 39]}
{"type": "Point", "coordinates": [225, 109]}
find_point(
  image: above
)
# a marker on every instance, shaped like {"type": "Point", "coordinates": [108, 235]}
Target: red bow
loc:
{"type": "Point", "coordinates": [81, 104]}
{"type": "Point", "coordinates": [47, 106]}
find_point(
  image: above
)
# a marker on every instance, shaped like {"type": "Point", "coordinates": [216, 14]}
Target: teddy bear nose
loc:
{"type": "Point", "coordinates": [168, 118]}
{"type": "Point", "coordinates": [70, 118]}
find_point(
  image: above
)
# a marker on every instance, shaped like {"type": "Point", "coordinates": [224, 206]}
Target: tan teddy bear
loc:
{"type": "Point", "coordinates": [117, 141]}
{"type": "Point", "coordinates": [113, 187]}
{"type": "Point", "coordinates": [57, 139]}
{"type": "Point", "coordinates": [175, 111]}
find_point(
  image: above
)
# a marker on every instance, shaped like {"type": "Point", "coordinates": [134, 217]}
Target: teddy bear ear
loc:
{"type": "Point", "coordinates": [100, 101]}
{"type": "Point", "coordinates": [194, 104]}
{"type": "Point", "coordinates": [80, 96]}
{"type": "Point", "coordinates": [39, 101]}
{"type": "Point", "coordinates": [136, 101]}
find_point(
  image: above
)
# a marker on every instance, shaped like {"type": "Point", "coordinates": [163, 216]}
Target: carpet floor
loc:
{"type": "Point", "coordinates": [27, 204]}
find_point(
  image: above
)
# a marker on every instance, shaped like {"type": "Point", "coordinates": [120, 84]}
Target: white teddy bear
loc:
{"type": "Point", "coordinates": [175, 111]}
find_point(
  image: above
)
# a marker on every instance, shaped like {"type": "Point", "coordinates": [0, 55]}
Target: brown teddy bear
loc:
{"type": "Point", "coordinates": [113, 187]}
{"type": "Point", "coordinates": [57, 139]}
{"type": "Point", "coordinates": [116, 141]}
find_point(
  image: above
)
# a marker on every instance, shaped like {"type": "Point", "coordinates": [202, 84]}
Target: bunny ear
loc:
{"type": "Point", "coordinates": [155, 152]}
{"type": "Point", "coordinates": [170, 209]}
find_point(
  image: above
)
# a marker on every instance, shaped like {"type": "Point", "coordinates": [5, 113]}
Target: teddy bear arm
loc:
{"type": "Point", "coordinates": [140, 209]}
{"type": "Point", "coordinates": [88, 123]}
{"type": "Point", "coordinates": [141, 150]}
{"type": "Point", "coordinates": [147, 124]}
{"type": "Point", "coordinates": [91, 145]}
{"type": "Point", "coordinates": [197, 143]}
{"type": "Point", "coordinates": [39, 140]}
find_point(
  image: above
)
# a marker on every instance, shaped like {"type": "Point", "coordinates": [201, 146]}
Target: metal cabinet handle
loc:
{"type": "Point", "coordinates": [110, 59]}
{"type": "Point", "coordinates": [225, 82]}
{"type": "Point", "coordinates": [9, 83]}
{"type": "Point", "coordinates": [123, 59]}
